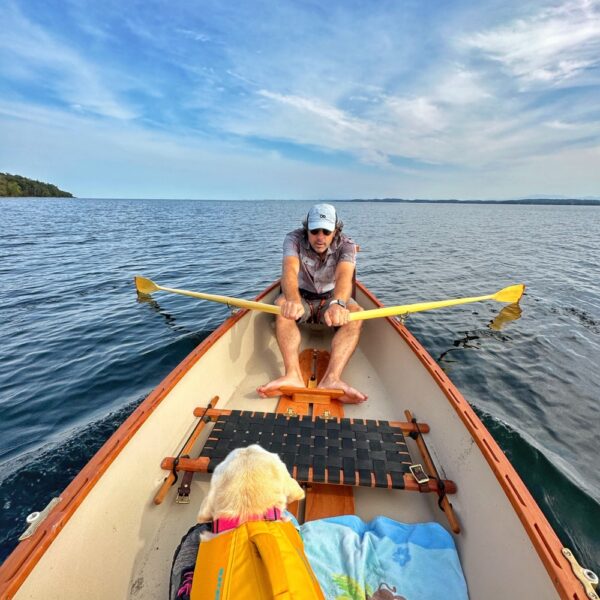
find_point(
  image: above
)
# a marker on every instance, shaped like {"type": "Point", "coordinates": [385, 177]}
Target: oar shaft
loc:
{"type": "Point", "coordinates": [510, 294]}
{"type": "Point", "coordinates": [391, 311]}
{"type": "Point", "coordinates": [238, 302]}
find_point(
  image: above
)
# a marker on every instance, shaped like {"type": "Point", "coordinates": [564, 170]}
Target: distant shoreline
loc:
{"type": "Point", "coordinates": [529, 201]}
{"type": "Point", "coordinates": [17, 186]}
{"type": "Point", "coordinates": [524, 201]}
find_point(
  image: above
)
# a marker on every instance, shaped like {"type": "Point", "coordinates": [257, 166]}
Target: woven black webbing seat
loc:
{"type": "Point", "coordinates": [339, 451]}
{"type": "Point", "coordinates": [329, 455]}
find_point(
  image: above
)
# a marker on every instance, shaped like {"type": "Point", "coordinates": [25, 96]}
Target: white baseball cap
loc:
{"type": "Point", "coordinates": [322, 216]}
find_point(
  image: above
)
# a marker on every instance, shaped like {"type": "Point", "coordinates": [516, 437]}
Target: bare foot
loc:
{"type": "Point", "coordinates": [351, 395]}
{"type": "Point", "coordinates": [272, 388]}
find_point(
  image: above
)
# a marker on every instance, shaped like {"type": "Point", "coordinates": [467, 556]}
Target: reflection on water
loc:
{"type": "Point", "coordinates": [467, 341]}
{"type": "Point", "coordinates": [509, 313]}
{"type": "Point", "coordinates": [470, 340]}
{"type": "Point", "coordinates": [170, 320]}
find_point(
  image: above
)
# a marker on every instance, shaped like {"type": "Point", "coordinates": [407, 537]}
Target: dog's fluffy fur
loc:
{"type": "Point", "coordinates": [248, 482]}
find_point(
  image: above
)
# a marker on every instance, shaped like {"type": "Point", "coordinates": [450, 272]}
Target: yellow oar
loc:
{"type": "Point", "coordinates": [147, 286]}
{"type": "Point", "coordinates": [511, 294]}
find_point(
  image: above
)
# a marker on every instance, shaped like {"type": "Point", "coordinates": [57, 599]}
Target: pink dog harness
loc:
{"type": "Point", "coordinates": [226, 523]}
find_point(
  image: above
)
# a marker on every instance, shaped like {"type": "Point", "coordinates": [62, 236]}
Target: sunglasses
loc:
{"type": "Point", "coordinates": [317, 231]}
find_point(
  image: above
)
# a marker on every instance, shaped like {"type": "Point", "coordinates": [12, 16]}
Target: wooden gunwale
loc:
{"type": "Point", "coordinates": [18, 565]}
{"type": "Point", "coordinates": [541, 534]}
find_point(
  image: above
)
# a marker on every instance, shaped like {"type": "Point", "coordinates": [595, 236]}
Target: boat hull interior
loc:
{"type": "Point", "coordinates": [120, 544]}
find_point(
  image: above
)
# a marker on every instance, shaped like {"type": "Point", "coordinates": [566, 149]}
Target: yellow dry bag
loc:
{"type": "Point", "coordinates": [259, 560]}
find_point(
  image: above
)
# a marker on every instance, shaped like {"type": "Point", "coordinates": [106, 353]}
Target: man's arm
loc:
{"type": "Point", "coordinates": [336, 315]}
{"type": "Point", "coordinates": [292, 307]}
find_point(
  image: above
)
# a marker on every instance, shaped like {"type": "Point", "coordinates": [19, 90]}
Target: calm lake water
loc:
{"type": "Point", "coordinates": [79, 352]}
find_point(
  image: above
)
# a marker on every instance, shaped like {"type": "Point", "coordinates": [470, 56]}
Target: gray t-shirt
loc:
{"type": "Point", "coordinates": [317, 274]}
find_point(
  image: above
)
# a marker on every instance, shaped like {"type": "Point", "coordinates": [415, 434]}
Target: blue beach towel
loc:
{"type": "Point", "coordinates": [354, 560]}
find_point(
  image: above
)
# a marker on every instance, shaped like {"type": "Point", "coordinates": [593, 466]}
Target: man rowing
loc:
{"type": "Point", "coordinates": [316, 284]}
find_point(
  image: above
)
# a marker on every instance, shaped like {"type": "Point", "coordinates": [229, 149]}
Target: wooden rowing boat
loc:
{"type": "Point", "coordinates": [114, 529]}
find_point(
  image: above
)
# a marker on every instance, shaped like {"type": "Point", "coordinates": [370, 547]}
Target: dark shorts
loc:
{"type": "Point", "coordinates": [315, 306]}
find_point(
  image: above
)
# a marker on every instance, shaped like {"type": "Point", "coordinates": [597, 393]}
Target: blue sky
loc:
{"type": "Point", "coordinates": [302, 99]}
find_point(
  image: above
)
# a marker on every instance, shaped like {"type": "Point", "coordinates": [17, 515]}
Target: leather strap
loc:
{"type": "Point", "coordinates": [183, 492]}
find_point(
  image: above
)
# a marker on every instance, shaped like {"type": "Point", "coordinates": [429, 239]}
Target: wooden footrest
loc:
{"type": "Point", "coordinates": [324, 501]}
{"type": "Point", "coordinates": [328, 393]}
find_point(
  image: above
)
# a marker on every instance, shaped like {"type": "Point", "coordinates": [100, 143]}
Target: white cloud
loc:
{"type": "Point", "coordinates": [197, 36]}
{"type": "Point", "coordinates": [455, 113]}
{"type": "Point", "coordinates": [323, 111]}
{"type": "Point", "coordinates": [425, 128]}
{"type": "Point", "coordinates": [551, 47]}
{"type": "Point", "coordinates": [392, 104]}
{"type": "Point", "coordinates": [418, 116]}
{"type": "Point", "coordinates": [48, 144]}
{"type": "Point", "coordinates": [35, 55]}
{"type": "Point", "coordinates": [460, 86]}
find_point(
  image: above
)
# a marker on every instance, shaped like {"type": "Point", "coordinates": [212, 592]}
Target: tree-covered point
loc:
{"type": "Point", "coordinates": [16, 186]}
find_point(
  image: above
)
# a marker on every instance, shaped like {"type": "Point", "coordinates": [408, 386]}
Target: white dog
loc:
{"type": "Point", "coordinates": [248, 483]}
{"type": "Point", "coordinates": [243, 559]}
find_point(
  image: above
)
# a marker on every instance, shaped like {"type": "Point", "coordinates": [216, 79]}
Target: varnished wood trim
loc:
{"type": "Point", "coordinates": [324, 500]}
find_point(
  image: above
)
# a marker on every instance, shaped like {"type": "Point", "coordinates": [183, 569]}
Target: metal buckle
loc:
{"type": "Point", "coordinates": [183, 494]}
{"type": "Point", "coordinates": [182, 499]}
{"type": "Point", "coordinates": [417, 471]}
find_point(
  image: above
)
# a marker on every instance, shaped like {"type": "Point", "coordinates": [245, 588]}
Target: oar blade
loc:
{"type": "Point", "coordinates": [510, 294]}
{"type": "Point", "coordinates": [144, 285]}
